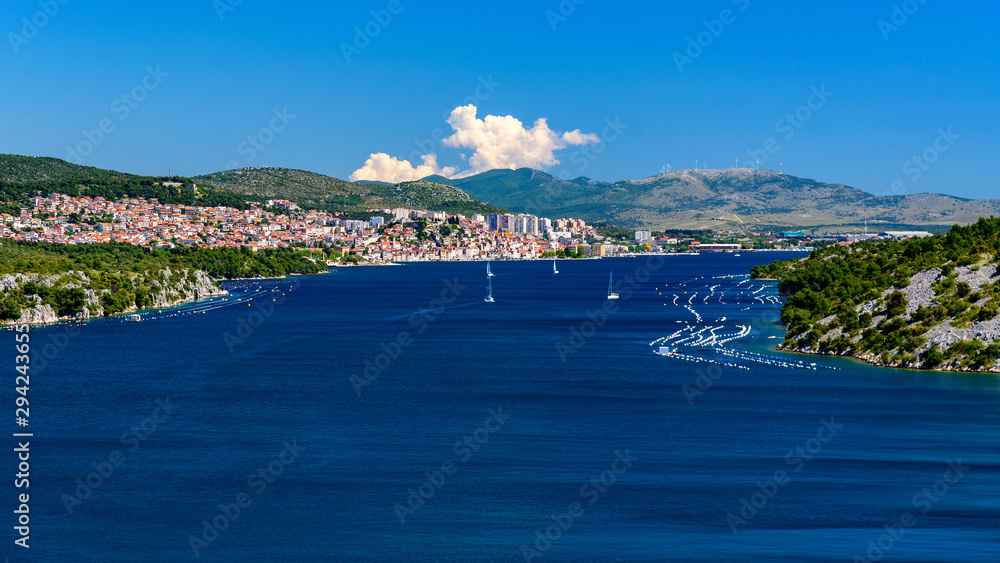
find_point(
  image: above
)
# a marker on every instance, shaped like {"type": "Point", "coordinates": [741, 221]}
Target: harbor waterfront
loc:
{"type": "Point", "coordinates": [389, 414]}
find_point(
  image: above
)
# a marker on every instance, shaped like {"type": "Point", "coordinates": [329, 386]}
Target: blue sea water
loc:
{"type": "Point", "coordinates": [542, 427]}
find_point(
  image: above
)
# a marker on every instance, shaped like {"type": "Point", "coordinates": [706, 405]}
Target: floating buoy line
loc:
{"type": "Point", "coordinates": [712, 343]}
{"type": "Point", "coordinates": [243, 293]}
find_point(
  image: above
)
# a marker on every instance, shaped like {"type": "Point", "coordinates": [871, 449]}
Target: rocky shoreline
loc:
{"type": "Point", "coordinates": [191, 285]}
{"type": "Point", "coordinates": [920, 294]}
{"type": "Point", "coordinates": [875, 360]}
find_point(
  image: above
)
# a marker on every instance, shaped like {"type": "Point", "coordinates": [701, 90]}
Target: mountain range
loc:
{"type": "Point", "coordinates": [702, 199]}
{"type": "Point", "coordinates": [686, 199]}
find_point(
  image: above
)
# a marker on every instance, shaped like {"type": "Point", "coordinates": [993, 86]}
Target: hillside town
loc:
{"type": "Point", "coordinates": [390, 235]}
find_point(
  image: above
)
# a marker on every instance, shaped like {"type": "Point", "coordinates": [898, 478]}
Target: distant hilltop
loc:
{"type": "Point", "coordinates": [713, 199]}
{"type": "Point", "coordinates": [741, 199]}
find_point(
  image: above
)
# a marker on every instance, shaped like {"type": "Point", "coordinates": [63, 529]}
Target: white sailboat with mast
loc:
{"type": "Point", "coordinates": [489, 291]}
{"type": "Point", "coordinates": [489, 274]}
{"type": "Point", "coordinates": [554, 270]}
{"type": "Point", "coordinates": [611, 293]}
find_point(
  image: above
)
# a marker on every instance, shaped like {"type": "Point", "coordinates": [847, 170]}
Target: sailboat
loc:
{"type": "Point", "coordinates": [554, 270]}
{"type": "Point", "coordinates": [489, 294]}
{"type": "Point", "coordinates": [611, 294]}
{"type": "Point", "coordinates": [489, 274]}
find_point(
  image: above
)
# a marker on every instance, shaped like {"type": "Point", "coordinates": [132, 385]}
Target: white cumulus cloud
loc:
{"type": "Point", "coordinates": [498, 143]}
{"type": "Point", "coordinates": [578, 138]}
{"type": "Point", "coordinates": [381, 167]}
{"type": "Point", "coordinates": [504, 142]}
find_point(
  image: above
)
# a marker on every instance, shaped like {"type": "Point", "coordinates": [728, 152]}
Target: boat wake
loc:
{"type": "Point", "coordinates": [719, 342]}
{"type": "Point", "coordinates": [435, 311]}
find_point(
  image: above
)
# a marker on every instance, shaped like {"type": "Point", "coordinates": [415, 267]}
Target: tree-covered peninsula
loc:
{"type": "Point", "coordinates": [928, 303]}
{"type": "Point", "coordinates": [44, 283]}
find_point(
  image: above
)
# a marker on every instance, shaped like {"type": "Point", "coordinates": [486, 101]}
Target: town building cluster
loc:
{"type": "Point", "coordinates": [389, 235]}
{"type": "Point", "coordinates": [405, 237]}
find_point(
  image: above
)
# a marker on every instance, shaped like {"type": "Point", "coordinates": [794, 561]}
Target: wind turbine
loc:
{"type": "Point", "coordinates": [696, 164]}
{"type": "Point", "coordinates": [782, 169]}
{"type": "Point", "coordinates": [758, 164]}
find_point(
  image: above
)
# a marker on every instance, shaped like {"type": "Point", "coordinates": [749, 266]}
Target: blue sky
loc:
{"type": "Point", "coordinates": [200, 78]}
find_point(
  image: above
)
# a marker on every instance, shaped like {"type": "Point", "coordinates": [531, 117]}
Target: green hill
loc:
{"type": "Point", "coordinates": [23, 177]}
{"type": "Point", "coordinates": [927, 303]}
{"type": "Point", "coordinates": [46, 283]}
{"type": "Point", "coordinates": [532, 191]}
{"type": "Point", "coordinates": [26, 169]}
{"type": "Point", "coordinates": [309, 189]}
{"type": "Point", "coordinates": [702, 199]}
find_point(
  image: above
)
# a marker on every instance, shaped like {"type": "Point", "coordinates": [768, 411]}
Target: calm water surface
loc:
{"type": "Point", "coordinates": [535, 428]}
